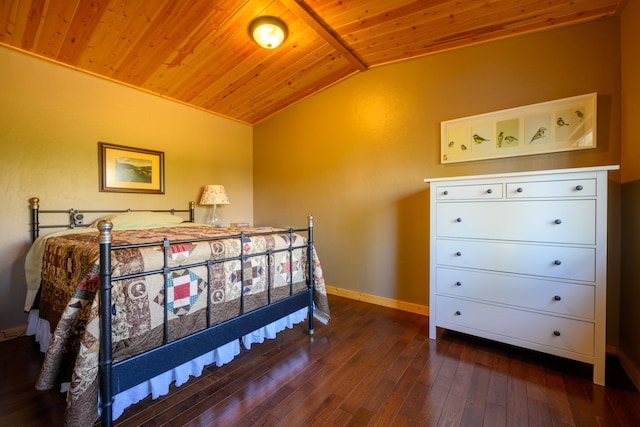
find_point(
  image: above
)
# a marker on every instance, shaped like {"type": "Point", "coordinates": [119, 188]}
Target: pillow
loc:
{"type": "Point", "coordinates": [133, 220]}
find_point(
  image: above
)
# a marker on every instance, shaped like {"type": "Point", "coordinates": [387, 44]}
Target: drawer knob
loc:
{"type": "Point", "coordinates": [579, 187]}
{"type": "Point", "coordinates": [520, 189]}
{"type": "Point", "coordinates": [458, 253]}
{"type": "Point", "coordinates": [557, 262]}
{"type": "Point", "coordinates": [489, 191]}
{"type": "Point", "coordinates": [458, 313]}
{"type": "Point", "coordinates": [458, 284]}
{"type": "Point", "coordinates": [557, 298]}
{"type": "Point", "coordinates": [445, 192]}
{"type": "Point", "coordinates": [556, 333]}
{"type": "Point", "coordinates": [558, 221]}
{"type": "Point", "coordinates": [458, 219]}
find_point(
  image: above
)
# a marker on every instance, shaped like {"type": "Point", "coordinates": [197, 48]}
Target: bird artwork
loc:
{"type": "Point", "coordinates": [500, 138]}
{"type": "Point", "coordinates": [451, 144]}
{"type": "Point", "coordinates": [561, 122]}
{"type": "Point", "coordinates": [478, 139]}
{"type": "Point", "coordinates": [539, 134]}
{"type": "Point", "coordinates": [463, 147]}
{"type": "Point", "coordinates": [580, 115]}
{"type": "Point", "coordinates": [510, 139]}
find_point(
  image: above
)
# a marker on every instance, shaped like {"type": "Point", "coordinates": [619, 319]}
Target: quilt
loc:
{"type": "Point", "coordinates": [70, 282]}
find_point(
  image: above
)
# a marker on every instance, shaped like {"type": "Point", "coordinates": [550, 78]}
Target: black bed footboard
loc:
{"type": "Point", "coordinates": [122, 375]}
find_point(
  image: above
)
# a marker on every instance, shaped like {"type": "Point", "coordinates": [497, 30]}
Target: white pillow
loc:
{"type": "Point", "coordinates": [134, 220]}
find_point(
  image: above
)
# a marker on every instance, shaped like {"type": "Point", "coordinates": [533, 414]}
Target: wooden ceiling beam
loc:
{"type": "Point", "coordinates": [305, 13]}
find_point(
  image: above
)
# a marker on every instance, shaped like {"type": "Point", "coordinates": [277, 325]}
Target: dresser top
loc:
{"type": "Point", "coordinates": [527, 173]}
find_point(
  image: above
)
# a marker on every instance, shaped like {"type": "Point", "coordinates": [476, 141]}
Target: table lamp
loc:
{"type": "Point", "coordinates": [214, 195]}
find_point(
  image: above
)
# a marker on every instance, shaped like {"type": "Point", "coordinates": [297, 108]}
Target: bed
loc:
{"type": "Point", "coordinates": [138, 300]}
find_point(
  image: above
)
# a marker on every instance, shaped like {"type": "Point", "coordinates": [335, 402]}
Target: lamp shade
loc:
{"type": "Point", "coordinates": [268, 31]}
{"type": "Point", "coordinates": [214, 195]}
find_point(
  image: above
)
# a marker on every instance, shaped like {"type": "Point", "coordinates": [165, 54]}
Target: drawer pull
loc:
{"type": "Point", "coordinates": [458, 284]}
{"type": "Point", "coordinates": [445, 192]}
{"type": "Point", "coordinates": [458, 313]}
{"type": "Point", "coordinates": [557, 298]}
{"type": "Point", "coordinates": [458, 219]}
{"type": "Point", "coordinates": [558, 221]}
{"type": "Point", "coordinates": [556, 333]}
{"type": "Point", "coordinates": [489, 191]}
{"type": "Point", "coordinates": [557, 262]}
{"type": "Point", "coordinates": [520, 189]}
{"type": "Point", "coordinates": [458, 253]}
{"type": "Point", "coordinates": [579, 187]}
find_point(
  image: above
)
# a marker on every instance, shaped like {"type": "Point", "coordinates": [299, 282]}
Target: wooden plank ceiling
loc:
{"type": "Point", "coordinates": [198, 51]}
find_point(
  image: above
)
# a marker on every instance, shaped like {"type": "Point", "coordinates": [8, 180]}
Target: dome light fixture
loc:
{"type": "Point", "coordinates": [268, 31]}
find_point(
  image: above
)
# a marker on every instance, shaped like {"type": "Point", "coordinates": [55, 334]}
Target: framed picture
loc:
{"type": "Point", "coordinates": [561, 125]}
{"type": "Point", "coordinates": [130, 170]}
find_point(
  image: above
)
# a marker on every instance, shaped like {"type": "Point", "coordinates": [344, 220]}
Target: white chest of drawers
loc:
{"type": "Point", "coordinates": [522, 259]}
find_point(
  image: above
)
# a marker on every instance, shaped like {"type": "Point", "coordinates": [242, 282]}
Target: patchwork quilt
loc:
{"type": "Point", "coordinates": [70, 282]}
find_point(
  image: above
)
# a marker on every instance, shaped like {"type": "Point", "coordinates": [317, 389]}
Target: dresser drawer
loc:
{"type": "Point", "coordinates": [566, 334]}
{"type": "Point", "coordinates": [569, 299]}
{"type": "Point", "coordinates": [558, 221]}
{"type": "Point", "coordinates": [561, 262]}
{"type": "Point", "coordinates": [559, 188]}
{"type": "Point", "coordinates": [469, 192]}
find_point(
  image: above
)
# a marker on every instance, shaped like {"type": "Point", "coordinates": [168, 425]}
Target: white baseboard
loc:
{"type": "Point", "coordinates": [630, 367]}
{"type": "Point", "coordinates": [385, 302]}
{"type": "Point", "coordinates": [18, 331]}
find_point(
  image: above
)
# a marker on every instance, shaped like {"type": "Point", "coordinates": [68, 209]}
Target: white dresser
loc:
{"type": "Point", "coordinates": [521, 258]}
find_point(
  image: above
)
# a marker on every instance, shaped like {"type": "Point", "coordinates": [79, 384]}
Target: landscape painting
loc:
{"type": "Point", "coordinates": [130, 170]}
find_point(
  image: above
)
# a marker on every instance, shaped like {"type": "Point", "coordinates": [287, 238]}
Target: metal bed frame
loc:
{"type": "Point", "coordinates": [76, 217]}
{"type": "Point", "coordinates": [116, 377]}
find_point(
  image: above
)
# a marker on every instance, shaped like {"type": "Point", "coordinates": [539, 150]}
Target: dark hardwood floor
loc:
{"type": "Point", "coordinates": [373, 366]}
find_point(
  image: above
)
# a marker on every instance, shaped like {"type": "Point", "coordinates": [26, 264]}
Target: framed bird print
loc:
{"type": "Point", "coordinates": [560, 125]}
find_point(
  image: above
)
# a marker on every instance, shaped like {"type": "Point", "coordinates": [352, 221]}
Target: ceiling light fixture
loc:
{"type": "Point", "coordinates": [268, 31]}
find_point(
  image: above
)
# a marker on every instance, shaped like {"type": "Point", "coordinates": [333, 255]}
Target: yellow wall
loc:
{"type": "Point", "coordinates": [51, 119]}
{"type": "Point", "coordinates": [356, 154]}
{"type": "Point", "coordinates": [630, 39]}
{"type": "Point", "coordinates": [630, 275]}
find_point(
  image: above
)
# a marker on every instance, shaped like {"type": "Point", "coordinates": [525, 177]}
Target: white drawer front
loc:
{"type": "Point", "coordinates": [560, 221]}
{"type": "Point", "coordinates": [560, 188]}
{"type": "Point", "coordinates": [473, 191]}
{"type": "Point", "coordinates": [549, 261]}
{"type": "Point", "coordinates": [555, 297]}
{"type": "Point", "coordinates": [566, 334]}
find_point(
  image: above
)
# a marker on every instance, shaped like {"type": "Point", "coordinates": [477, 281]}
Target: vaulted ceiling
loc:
{"type": "Point", "coordinates": [199, 52]}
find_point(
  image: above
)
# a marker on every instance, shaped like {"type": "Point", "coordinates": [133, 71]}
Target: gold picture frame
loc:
{"type": "Point", "coordinates": [560, 125]}
{"type": "Point", "coordinates": [130, 170]}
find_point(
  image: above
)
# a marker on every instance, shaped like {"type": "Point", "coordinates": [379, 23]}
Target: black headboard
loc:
{"type": "Point", "coordinates": [76, 216]}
